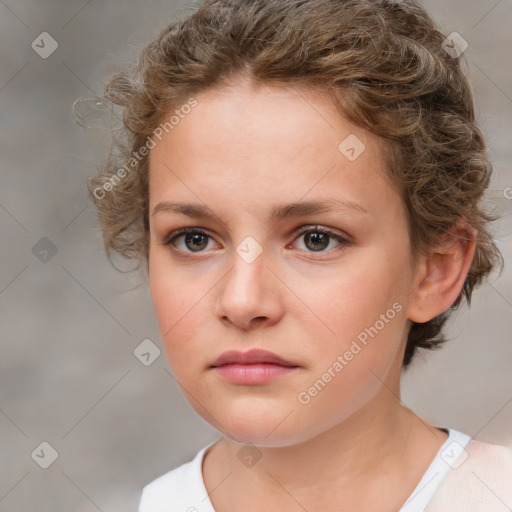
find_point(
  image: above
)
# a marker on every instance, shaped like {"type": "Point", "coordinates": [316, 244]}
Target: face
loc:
{"type": "Point", "coordinates": [325, 289]}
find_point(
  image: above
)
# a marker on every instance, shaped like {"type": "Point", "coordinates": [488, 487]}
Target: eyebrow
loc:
{"type": "Point", "coordinates": [278, 212]}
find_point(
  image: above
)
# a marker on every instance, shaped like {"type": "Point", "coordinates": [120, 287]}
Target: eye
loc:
{"type": "Point", "coordinates": [195, 239]}
{"type": "Point", "coordinates": [317, 238]}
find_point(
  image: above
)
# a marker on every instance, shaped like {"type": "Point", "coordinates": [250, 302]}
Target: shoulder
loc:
{"type": "Point", "coordinates": [181, 489]}
{"type": "Point", "coordinates": [479, 480]}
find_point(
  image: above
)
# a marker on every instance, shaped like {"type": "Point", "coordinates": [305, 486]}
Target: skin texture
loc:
{"type": "Point", "coordinates": [240, 151]}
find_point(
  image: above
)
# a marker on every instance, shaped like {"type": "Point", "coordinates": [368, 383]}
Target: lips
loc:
{"type": "Point", "coordinates": [255, 356]}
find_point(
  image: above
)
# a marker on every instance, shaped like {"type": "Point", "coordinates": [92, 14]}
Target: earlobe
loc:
{"type": "Point", "coordinates": [441, 274]}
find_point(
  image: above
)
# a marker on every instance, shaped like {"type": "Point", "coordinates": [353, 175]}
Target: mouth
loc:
{"type": "Point", "coordinates": [255, 356]}
{"type": "Point", "coordinates": [252, 374]}
{"type": "Point", "coordinates": [255, 367]}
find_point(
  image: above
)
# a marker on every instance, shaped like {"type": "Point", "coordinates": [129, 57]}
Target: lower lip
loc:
{"type": "Point", "coordinates": [252, 374]}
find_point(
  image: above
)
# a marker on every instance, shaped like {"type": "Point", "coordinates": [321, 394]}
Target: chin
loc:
{"type": "Point", "coordinates": [260, 439]}
{"type": "Point", "coordinates": [253, 425]}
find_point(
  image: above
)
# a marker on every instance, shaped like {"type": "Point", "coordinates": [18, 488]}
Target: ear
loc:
{"type": "Point", "coordinates": [440, 275]}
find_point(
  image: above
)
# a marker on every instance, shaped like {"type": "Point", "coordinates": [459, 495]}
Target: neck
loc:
{"type": "Point", "coordinates": [356, 446]}
{"type": "Point", "coordinates": [354, 459]}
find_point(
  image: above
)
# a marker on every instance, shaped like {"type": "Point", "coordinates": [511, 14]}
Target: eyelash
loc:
{"type": "Point", "coordinates": [308, 229]}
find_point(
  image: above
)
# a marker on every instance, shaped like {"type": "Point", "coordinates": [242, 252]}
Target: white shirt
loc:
{"type": "Point", "coordinates": [465, 476]}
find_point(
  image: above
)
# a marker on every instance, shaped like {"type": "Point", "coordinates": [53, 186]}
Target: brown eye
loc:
{"type": "Point", "coordinates": [195, 240]}
{"type": "Point", "coordinates": [318, 239]}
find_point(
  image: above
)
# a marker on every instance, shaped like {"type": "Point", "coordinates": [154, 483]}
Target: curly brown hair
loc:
{"type": "Point", "coordinates": [385, 67]}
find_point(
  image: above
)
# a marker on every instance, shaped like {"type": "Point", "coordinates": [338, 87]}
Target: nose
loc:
{"type": "Point", "coordinates": [249, 293]}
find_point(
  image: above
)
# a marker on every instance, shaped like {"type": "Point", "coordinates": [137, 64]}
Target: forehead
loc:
{"type": "Point", "coordinates": [250, 146]}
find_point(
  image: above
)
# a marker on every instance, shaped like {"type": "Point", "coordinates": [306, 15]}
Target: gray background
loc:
{"type": "Point", "coordinates": [70, 325]}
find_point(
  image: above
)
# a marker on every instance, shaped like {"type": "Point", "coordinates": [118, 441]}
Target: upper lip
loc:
{"type": "Point", "coordinates": [251, 357]}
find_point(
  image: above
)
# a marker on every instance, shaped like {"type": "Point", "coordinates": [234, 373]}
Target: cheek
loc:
{"type": "Point", "coordinates": [169, 297]}
{"type": "Point", "coordinates": [180, 307]}
{"type": "Point", "coordinates": [354, 297]}
{"type": "Point", "coordinates": [172, 292]}
{"type": "Point", "coordinates": [363, 318]}
{"type": "Point", "coordinates": [350, 369]}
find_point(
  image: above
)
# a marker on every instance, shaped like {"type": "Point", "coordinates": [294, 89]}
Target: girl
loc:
{"type": "Point", "coordinates": [302, 183]}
